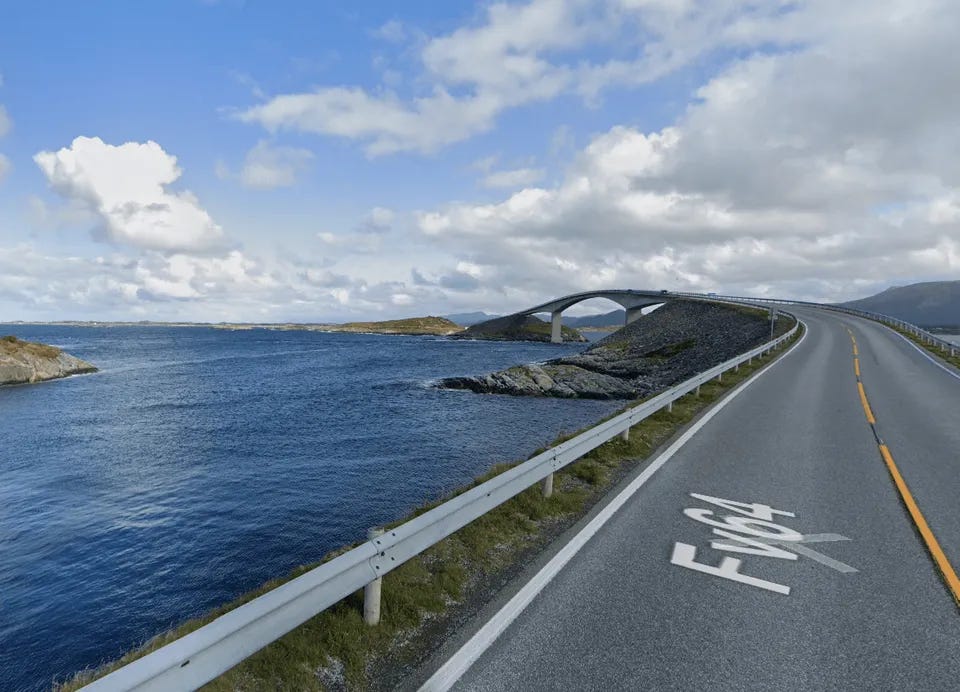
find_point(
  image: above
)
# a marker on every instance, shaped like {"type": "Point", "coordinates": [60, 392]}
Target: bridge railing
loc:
{"type": "Point", "coordinates": [922, 334]}
{"type": "Point", "coordinates": [202, 655]}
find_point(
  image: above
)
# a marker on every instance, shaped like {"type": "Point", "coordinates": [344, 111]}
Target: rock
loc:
{"type": "Point", "coordinates": [654, 352]}
{"type": "Point", "coordinates": [517, 328]}
{"type": "Point", "coordinates": [24, 362]}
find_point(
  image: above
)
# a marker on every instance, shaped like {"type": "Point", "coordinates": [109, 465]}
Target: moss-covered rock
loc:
{"type": "Point", "coordinates": [25, 362]}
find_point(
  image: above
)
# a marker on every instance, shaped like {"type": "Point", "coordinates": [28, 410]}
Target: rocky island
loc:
{"type": "Point", "coordinates": [26, 362]}
{"type": "Point", "coordinates": [516, 328]}
{"type": "Point", "coordinates": [655, 352]}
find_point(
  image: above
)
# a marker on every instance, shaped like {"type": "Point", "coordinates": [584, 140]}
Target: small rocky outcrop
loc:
{"type": "Point", "coordinates": [25, 362]}
{"type": "Point", "coordinates": [516, 328]}
{"type": "Point", "coordinates": [655, 352]}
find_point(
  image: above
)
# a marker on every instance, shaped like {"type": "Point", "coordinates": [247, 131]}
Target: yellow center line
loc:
{"type": "Point", "coordinates": [933, 546]}
{"type": "Point", "coordinates": [919, 522]}
{"type": "Point", "coordinates": [866, 404]}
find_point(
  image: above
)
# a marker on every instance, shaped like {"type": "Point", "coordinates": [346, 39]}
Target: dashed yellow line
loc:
{"type": "Point", "coordinates": [919, 521]}
{"type": "Point", "coordinates": [866, 404]}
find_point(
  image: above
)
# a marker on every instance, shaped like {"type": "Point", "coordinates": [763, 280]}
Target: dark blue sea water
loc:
{"type": "Point", "coordinates": [200, 463]}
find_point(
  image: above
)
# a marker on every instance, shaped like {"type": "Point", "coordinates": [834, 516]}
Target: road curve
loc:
{"type": "Point", "coordinates": [858, 602]}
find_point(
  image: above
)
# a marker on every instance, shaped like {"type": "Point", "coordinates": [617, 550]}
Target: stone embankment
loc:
{"type": "Point", "coordinates": [655, 352]}
{"type": "Point", "coordinates": [25, 362]}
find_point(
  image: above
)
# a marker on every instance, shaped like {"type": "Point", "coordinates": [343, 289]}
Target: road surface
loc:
{"type": "Point", "coordinates": [838, 588]}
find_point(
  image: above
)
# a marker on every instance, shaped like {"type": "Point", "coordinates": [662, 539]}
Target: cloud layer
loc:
{"type": "Point", "coordinates": [126, 186]}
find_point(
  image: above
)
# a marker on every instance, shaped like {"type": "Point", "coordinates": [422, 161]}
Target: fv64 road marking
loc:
{"type": "Point", "coordinates": [750, 529]}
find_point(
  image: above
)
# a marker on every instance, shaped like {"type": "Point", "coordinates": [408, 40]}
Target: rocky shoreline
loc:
{"type": "Point", "coordinates": [26, 362]}
{"type": "Point", "coordinates": [656, 351]}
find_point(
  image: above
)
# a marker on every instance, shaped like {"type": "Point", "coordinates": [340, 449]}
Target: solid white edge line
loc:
{"type": "Point", "coordinates": [461, 661]}
{"type": "Point", "coordinates": [926, 355]}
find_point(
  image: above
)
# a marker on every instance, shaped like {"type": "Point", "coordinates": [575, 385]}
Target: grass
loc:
{"type": "Point", "coordinates": [412, 325]}
{"type": "Point", "coordinates": [12, 346]}
{"type": "Point", "coordinates": [432, 585]}
{"type": "Point", "coordinates": [932, 348]}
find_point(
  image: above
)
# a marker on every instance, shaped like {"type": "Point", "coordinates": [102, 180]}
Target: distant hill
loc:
{"type": "Point", "coordinates": [930, 304]}
{"type": "Point", "coordinates": [607, 319]}
{"type": "Point", "coordinates": [467, 319]}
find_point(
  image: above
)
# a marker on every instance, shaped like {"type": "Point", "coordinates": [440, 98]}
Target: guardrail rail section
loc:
{"type": "Point", "coordinates": [207, 652]}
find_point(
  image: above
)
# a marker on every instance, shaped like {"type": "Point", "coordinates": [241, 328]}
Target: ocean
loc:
{"type": "Point", "coordinates": [200, 463]}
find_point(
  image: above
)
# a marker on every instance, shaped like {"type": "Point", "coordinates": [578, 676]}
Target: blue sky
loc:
{"type": "Point", "coordinates": [315, 163]}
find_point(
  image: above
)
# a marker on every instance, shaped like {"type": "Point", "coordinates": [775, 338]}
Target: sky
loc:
{"type": "Point", "coordinates": [202, 160]}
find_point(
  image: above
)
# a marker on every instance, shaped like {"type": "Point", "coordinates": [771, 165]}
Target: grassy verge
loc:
{"type": "Point", "coordinates": [336, 649]}
{"type": "Point", "coordinates": [932, 348]}
{"type": "Point", "coordinates": [12, 346]}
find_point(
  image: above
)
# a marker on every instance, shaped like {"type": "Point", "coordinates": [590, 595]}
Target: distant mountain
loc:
{"type": "Point", "coordinates": [607, 319]}
{"type": "Point", "coordinates": [467, 319]}
{"type": "Point", "coordinates": [930, 304]}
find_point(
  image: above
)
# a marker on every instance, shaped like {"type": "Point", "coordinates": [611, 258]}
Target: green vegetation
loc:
{"type": "Point", "coordinates": [12, 346]}
{"type": "Point", "coordinates": [431, 586]}
{"type": "Point", "coordinates": [932, 348]}
{"type": "Point", "coordinates": [414, 325]}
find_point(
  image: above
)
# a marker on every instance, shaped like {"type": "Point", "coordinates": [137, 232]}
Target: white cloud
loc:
{"type": "Point", "coordinates": [770, 182]}
{"type": "Point", "coordinates": [517, 177]}
{"type": "Point", "coordinates": [393, 31]}
{"type": "Point", "coordinates": [126, 187]}
{"type": "Point", "coordinates": [269, 166]}
{"type": "Point", "coordinates": [5, 167]}
{"type": "Point", "coordinates": [522, 53]}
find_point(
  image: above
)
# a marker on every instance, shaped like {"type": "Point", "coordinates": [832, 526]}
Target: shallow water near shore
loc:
{"type": "Point", "coordinates": [199, 463]}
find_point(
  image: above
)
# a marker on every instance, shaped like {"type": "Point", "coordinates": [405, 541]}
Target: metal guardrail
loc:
{"type": "Point", "coordinates": [202, 655]}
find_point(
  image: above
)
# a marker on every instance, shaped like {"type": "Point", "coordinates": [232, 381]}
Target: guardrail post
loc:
{"type": "Point", "coordinates": [548, 486]}
{"type": "Point", "coordinates": [697, 391]}
{"type": "Point", "coordinates": [670, 407]}
{"type": "Point", "coordinates": [720, 377]}
{"type": "Point", "coordinates": [625, 435]}
{"type": "Point", "coordinates": [371, 592]}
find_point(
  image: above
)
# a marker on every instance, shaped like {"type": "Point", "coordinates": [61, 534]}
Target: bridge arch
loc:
{"type": "Point", "coordinates": [632, 301]}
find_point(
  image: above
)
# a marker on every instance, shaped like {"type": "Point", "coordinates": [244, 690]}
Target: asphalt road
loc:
{"type": "Point", "coordinates": [857, 604]}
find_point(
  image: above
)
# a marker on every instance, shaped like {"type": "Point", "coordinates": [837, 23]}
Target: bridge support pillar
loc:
{"type": "Point", "coordinates": [556, 328]}
{"type": "Point", "coordinates": [632, 315]}
{"type": "Point", "coordinates": [371, 592]}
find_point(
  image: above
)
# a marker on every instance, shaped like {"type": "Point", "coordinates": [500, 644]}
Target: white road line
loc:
{"type": "Point", "coordinates": [926, 355]}
{"type": "Point", "coordinates": [458, 664]}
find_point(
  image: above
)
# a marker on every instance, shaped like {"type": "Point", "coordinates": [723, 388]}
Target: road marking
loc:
{"type": "Point", "coordinates": [753, 534]}
{"type": "Point", "coordinates": [817, 556]}
{"type": "Point", "coordinates": [926, 355]}
{"type": "Point", "coordinates": [919, 521]}
{"type": "Point", "coordinates": [459, 663]}
{"type": "Point", "coordinates": [866, 404]}
{"type": "Point", "coordinates": [933, 545]}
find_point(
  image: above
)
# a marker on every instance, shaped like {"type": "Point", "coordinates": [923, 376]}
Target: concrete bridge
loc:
{"type": "Point", "coordinates": [633, 301]}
